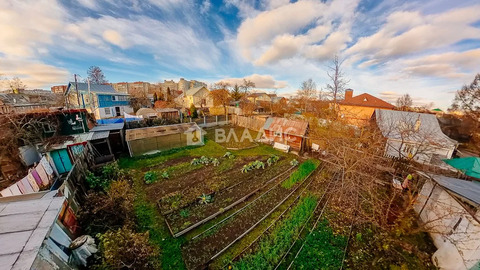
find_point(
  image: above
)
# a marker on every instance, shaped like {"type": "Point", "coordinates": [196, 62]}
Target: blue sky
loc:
{"type": "Point", "coordinates": [428, 49]}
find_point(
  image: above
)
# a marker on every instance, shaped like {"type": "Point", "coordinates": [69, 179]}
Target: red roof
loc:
{"type": "Point", "coordinates": [367, 100]}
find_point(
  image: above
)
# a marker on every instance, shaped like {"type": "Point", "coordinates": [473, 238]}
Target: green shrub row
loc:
{"type": "Point", "coordinates": [271, 248]}
{"type": "Point", "coordinates": [301, 173]}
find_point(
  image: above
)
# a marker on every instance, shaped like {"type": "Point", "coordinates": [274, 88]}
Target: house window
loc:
{"type": "Point", "coordinates": [107, 110]}
{"type": "Point", "coordinates": [278, 134]}
{"type": "Point", "coordinates": [114, 98]}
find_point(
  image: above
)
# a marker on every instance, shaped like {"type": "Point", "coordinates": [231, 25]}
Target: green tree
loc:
{"type": "Point", "coordinates": [193, 111]}
{"type": "Point", "coordinates": [236, 93]}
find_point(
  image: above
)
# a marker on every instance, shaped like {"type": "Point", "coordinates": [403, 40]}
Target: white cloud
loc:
{"type": "Point", "coordinates": [113, 37]}
{"type": "Point", "coordinates": [261, 81]}
{"type": "Point", "coordinates": [410, 32]}
{"type": "Point", "coordinates": [33, 73]}
{"type": "Point", "coordinates": [205, 7]}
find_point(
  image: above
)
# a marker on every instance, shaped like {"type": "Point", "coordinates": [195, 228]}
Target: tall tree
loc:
{"type": "Point", "coordinates": [236, 93]}
{"type": "Point", "coordinates": [247, 86]}
{"type": "Point", "coordinates": [306, 93]}
{"type": "Point", "coordinates": [404, 102]}
{"type": "Point", "coordinates": [96, 76]}
{"type": "Point", "coordinates": [467, 99]}
{"type": "Point", "coordinates": [338, 82]}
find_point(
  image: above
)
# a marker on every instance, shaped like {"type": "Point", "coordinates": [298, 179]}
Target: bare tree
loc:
{"type": "Point", "coordinates": [221, 97]}
{"type": "Point", "coordinates": [468, 99]}
{"type": "Point", "coordinates": [404, 102]}
{"type": "Point", "coordinates": [338, 82]}
{"type": "Point", "coordinates": [96, 76]}
{"type": "Point", "coordinates": [247, 86]}
{"type": "Point", "coordinates": [307, 93]}
{"type": "Point", "coordinates": [220, 85]}
{"type": "Point", "coordinates": [16, 85]}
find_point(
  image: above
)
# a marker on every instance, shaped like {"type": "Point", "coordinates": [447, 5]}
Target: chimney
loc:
{"type": "Point", "coordinates": [348, 94]}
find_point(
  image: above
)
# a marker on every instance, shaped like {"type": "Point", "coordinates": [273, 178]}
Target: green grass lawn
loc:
{"type": "Point", "coordinates": [234, 137]}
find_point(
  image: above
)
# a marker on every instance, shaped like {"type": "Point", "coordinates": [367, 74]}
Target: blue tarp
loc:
{"type": "Point", "coordinates": [116, 120]}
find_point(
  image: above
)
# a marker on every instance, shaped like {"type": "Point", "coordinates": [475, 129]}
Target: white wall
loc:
{"type": "Point", "coordinates": [100, 112]}
{"type": "Point", "coordinates": [421, 153]}
{"type": "Point", "coordinates": [454, 231]}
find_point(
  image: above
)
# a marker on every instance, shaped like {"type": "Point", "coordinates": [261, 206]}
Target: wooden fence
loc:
{"type": "Point", "coordinates": [250, 122]}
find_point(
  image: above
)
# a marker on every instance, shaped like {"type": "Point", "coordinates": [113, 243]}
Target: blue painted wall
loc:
{"type": "Point", "coordinates": [105, 100]}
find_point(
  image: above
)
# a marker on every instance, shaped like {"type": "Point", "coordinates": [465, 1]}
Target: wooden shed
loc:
{"type": "Point", "coordinates": [150, 140]}
{"type": "Point", "coordinates": [286, 131]}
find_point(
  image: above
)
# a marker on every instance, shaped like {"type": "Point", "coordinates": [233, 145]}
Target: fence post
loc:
{"type": "Point", "coordinates": [204, 120]}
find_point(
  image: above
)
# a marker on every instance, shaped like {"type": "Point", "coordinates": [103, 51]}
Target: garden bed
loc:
{"type": "Point", "coordinates": [233, 136]}
{"type": "Point", "coordinates": [237, 185]}
{"type": "Point", "coordinates": [198, 252]}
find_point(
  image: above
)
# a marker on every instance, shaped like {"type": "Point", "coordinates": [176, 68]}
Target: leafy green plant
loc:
{"type": "Point", "coordinates": [229, 155]}
{"type": "Point", "coordinates": [215, 162]}
{"type": "Point", "coordinates": [150, 177]}
{"type": "Point", "coordinates": [301, 172]}
{"type": "Point", "coordinates": [184, 213]}
{"type": "Point", "coordinates": [96, 182]}
{"type": "Point", "coordinates": [165, 175]}
{"type": "Point", "coordinates": [205, 199]}
{"type": "Point", "coordinates": [195, 162]}
{"type": "Point", "coordinates": [272, 160]}
{"type": "Point", "coordinates": [246, 168]}
{"type": "Point", "coordinates": [257, 164]}
{"type": "Point", "coordinates": [205, 160]}
{"type": "Point", "coordinates": [294, 162]}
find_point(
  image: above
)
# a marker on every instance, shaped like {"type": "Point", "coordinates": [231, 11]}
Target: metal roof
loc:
{"type": "Point", "coordinates": [467, 189]}
{"type": "Point", "coordinates": [402, 125]}
{"type": "Point", "coordinates": [152, 132]}
{"type": "Point", "coordinates": [94, 88]}
{"type": "Point", "coordinates": [115, 126]}
{"type": "Point", "coordinates": [468, 165]}
{"type": "Point", "coordinates": [97, 135]}
{"type": "Point", "coordinates": [286, 126]}
{"type": "Point", "coordinates": [24, 225]}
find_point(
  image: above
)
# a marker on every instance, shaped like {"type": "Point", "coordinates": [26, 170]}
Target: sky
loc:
{"type": "Point", "coordinates": [428, 49]}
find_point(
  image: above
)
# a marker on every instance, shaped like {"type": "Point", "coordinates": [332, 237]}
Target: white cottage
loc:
{"type": "Point", "coordinates": [449, 209]}
{"type": "Point", "coordinates": [414, 135]}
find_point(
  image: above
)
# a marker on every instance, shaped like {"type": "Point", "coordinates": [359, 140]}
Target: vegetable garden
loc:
{"type": "Point", "coordinates": [256, 208]}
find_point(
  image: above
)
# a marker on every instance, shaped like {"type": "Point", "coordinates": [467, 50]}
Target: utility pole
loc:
{"type": "Point", "coordinates": [76, 88]}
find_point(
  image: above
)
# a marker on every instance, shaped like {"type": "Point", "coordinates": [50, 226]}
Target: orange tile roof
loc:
{"type": "Point", "coordinates": [367, 100]}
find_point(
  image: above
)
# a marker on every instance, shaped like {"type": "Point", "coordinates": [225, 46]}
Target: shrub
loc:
{"type": "Point", "coordinates": [301, 173]}
{"type": "Point", "coordinates": [125, 249]}
{"type": "Point", "coordinates": [114, 209]}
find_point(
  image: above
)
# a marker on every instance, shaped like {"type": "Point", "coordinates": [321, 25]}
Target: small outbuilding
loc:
{"type": "Point", "coordinates": [449, 210]}
{"type": "Point", "coordinates": [168, 113]}
{"type": "Point", "coordinates": [150, 140]}
{"type": "Point", "coordinates": [286, 131]}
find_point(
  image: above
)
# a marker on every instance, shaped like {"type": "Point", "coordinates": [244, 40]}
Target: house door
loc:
{"type": "Point", "coordinates": [61, 160]}
{"type": "Point", "coordinates": [117, 111]}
